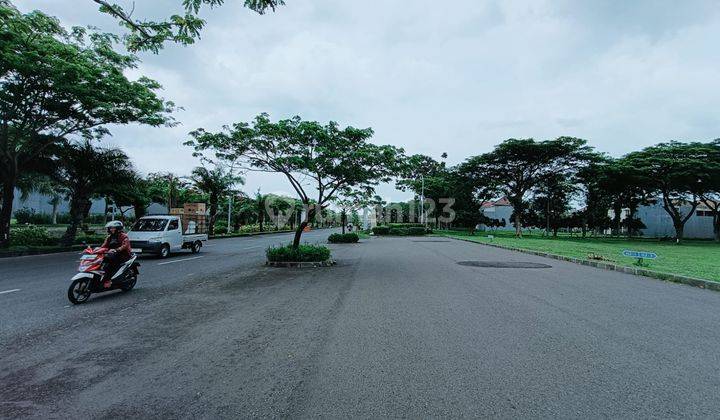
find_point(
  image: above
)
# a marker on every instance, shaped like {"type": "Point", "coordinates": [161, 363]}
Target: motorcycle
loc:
{"type": "Point", "coordinates": [90, 276]}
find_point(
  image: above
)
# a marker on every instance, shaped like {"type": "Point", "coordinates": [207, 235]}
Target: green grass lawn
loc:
{"type": "Point", "coordinates": [699, 259]}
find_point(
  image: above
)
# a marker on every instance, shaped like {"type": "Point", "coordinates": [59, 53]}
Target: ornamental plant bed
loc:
{"type": "Point", "coordinates": [397, 229]}
{"type": "Point", "coordinates": [343, 238]}
{"type": "Point", "coordinates": [305, 253]}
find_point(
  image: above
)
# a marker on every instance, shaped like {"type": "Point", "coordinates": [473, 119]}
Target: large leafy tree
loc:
{"type": "Point", "coordinates": [151, 35]}
{"type": "Point", "coordinates": [215, 183]}
{"type": "Point", "coordinates": [551, 200]}
{"type": "Point", "coordinates": [55, 84]}
{"type": "Point", "coordinates": [86, 171]}
{"type": "Point", "coordinates": [517, 166]}
{"type": "Point", "coordinates": [710, 192]}
{"type": "Point", "coordinates": [674, 171]}
{"type": "Point", "coordinates": [314, 158]}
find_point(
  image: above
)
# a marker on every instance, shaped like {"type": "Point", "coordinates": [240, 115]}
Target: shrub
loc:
{"type": "Point", "coordinates": [31, 236]}
{"type": "Point", "coordinates": [304, 253]}
{"type": "Point", "coordinates": [417, 230]}
{"type": "Point", "coordinates": [347, 238]}
{"type": "Point", "coordinates": [398, 231]}
{"type": "Point", "coordinates": [405, 225]}
{"type": "Point", "coordinates": [381, 230]}
{"type": "Point", "coordinates": [221, 230]}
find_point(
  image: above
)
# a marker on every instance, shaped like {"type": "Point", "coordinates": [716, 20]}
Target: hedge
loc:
{"type": "Point", "coordinates": [304, 253]}
{"type": "Point", "coordinates": [396, 230]}
{"type": "Point", "coordinates": [347, 238]}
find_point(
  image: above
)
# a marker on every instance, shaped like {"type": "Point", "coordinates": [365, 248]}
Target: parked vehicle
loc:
{"type": "Point", "coordinates": [161, 235]}
{"type": "Point", "coordinates": [90, 277]}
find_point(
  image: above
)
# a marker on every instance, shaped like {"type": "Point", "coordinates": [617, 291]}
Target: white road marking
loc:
{"type": "Point", "coordinates": [252, 247]}
{"type": "Point", "coordinates": [9, 291]}
{"type": "Point", "coordinates": [176, 261]}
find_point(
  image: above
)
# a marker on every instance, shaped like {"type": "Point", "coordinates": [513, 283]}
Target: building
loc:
{"type": "Point", "coordinates": [39, 203]}
{"type": "Point", "coordinates": [499, 210]}
{"type": "Point", "coordinates": [659, 224]}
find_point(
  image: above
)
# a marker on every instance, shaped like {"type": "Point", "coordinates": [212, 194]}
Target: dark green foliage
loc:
{"type": "Point", "coordinates": [405, 225]}
{"type": "Point", "coordinates": [31, 236]}
{"type": "Point", "coordinates": [381, 230]}
{"type": "Point", "coordinates": [151, 35]}
{"type": "Point", "coordinates": [401, 229]}
{"type": "Point", "coordinates": [222, 230]}
{"type": "Point", "coordinates": [416, 230]}
{"type": "Point", "coordinates": [343, 238]}
{"type": "Point", "coordinates": [303, 253]}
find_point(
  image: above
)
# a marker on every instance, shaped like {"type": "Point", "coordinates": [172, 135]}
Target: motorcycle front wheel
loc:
{"type": "Point", "coordinates": [79, 291]}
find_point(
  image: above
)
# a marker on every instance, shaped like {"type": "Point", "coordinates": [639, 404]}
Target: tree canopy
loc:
{"type": "Point", "coordinates": [318, 158]}
{"type": "Point", "coordinates": [151, 35]}
{"type": "Point", "coordinates": [516, 166]}
{"type": "Point", "coordinates": [56, 83]}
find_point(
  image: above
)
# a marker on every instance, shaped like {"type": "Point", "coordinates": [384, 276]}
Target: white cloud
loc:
{"type": "Point", "coordinates": [433, 77]}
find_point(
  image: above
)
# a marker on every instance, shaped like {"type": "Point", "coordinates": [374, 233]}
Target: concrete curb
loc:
{"type": "Point", "coordinates": [245, 235]}
{"type": "Point", "coordinates": [691, 281]}
{"type": "Point", "coordinates": [41, 251]}
{"type": "Point", "coordinates": [327, 263]}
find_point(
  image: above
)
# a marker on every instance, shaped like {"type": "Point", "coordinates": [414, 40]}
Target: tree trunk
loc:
{"type": "Point", "coordinates": [343, 221]}
{"type": "Point", "coordinates": [617, 210]}
{"type": "Point", "coordinates": [79, 207]}
{"type": "Point", "coordinates": [299, 231]}
{"type": "Point", "coordinates": [213, 215]}
{"type": "Point", "coordinates": [261, 218]}
{"type": "Point", "coordinates": [54, 212]}
{"type": "Point", "coordinates": [679, 228]}
{"type": "Point", "coordinates": [518, 224]}
{"type": "Point", "coordinates": [139, 210]}
{"type": "Point", "coordinates": [8, 194]}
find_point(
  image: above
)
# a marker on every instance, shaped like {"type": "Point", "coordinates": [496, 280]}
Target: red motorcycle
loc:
{"type": "Point", "coordinates": [91, 276]}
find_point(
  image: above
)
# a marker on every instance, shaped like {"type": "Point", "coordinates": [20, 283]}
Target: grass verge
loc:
{"type": "Point", "coordinates": [698, 259]}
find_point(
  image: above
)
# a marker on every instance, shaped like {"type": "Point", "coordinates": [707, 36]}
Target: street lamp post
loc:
{"type": "Point", "coordinates": [422, 200]}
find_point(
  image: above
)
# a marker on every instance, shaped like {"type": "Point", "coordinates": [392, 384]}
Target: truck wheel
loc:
{"type": "Point", "coordinates": [195, 247]}
{"type": "Point", "coordinates": [165, 251]}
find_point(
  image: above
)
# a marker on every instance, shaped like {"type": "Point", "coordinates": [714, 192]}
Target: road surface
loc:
{"type": "Point", "coordinates": [396, 329]}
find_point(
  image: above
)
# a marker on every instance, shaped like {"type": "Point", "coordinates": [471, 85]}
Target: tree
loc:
{"type": "Point", "coordinates": [516, 166]}
{"type": "Point", "coordinates": [349, 201]}
{"type": "Point", "coordinates": [710, 192]}
{"type": "Point", "coordinates": [215, 183]}
{"type": "Point", "coordinates": [150, 35]}
{"type": "Point", "coordinates": [329, 158]}
{"type": "Point", "coordinates": [86, 171]}
{"type": "Point", "coordinates": [675, 171]}
{"type": "Point", "coordinates": [551, 201]}
{"type": "Point", "coordinates": [55, 84]}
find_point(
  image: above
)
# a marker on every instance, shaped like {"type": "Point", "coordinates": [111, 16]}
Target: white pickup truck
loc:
{"type": "Point", "coordinates": [161, 235]}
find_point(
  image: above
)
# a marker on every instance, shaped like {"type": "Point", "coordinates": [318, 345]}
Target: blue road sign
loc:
{"type": "Point", "coordinates": [640, 254]}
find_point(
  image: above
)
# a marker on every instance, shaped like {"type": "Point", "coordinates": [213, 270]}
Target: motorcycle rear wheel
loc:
{"type": "Point", "coordinates": [129, 284]}
{"type": "Point", "coordinates": [79, 291]}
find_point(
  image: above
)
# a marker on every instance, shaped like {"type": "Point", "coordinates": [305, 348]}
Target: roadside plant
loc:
{"type": "Point", "coordinates": [301, 253]}
{"type": "Point", "coordinates": [343, 238]}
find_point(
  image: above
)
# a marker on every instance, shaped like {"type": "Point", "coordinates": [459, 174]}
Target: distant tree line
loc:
{"type": "Point", "coordinates": [564, 183]}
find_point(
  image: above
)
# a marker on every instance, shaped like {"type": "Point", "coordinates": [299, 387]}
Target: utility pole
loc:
{"type": "Point", "coordinates": [422, 200]}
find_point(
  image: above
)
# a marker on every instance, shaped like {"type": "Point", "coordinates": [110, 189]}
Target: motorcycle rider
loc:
{"type": "Point", "coordinates": [118, 244]}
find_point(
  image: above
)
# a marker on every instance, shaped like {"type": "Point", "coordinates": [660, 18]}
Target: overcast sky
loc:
{"type": "Point", "coordinates": [432, 78]}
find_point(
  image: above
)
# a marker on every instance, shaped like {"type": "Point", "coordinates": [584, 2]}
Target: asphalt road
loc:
{"type": "Point", "coordinates": [396, 329]}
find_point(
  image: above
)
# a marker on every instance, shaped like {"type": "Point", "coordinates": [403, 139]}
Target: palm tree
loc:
{"type": "Point", "coordinates": [214, 183]}
{"type": "Point", "coordinates": [85, 172]}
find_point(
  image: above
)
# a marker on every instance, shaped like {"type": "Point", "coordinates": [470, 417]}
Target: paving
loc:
{"type": "Point", "coordinates": [396, 329]}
